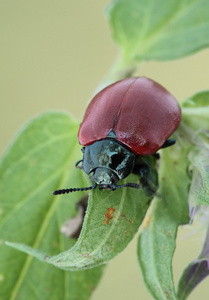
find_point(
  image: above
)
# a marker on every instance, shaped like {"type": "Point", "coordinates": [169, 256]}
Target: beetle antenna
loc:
{"type": "Point", "coordinates": [66, 191]}
{"type": "Point", "coordinates": [129, 184]}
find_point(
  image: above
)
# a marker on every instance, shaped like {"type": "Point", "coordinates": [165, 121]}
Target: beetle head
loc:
{"type": "Point", "coordinates": [107, 161]}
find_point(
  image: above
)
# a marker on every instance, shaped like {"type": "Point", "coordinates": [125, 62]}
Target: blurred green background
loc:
{"type": "Point", "coordinates": [54, 54]}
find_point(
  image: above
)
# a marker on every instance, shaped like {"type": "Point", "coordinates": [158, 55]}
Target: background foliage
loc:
{"type": "Point", "coordinates": [39, 225]}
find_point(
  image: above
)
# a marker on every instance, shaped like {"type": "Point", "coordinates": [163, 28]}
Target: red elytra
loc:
{"type": "Point", "coordinates": [141, 112]}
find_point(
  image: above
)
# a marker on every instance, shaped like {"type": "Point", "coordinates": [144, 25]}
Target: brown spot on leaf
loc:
{"type": "Point", "coordinates": [86, 255]}
{"type": "Point", "coordinates": [108, 215]}
{"type": "Point", "coordinates": [147, 222]}
{"type": "Point", "coordinates": [125, 218]}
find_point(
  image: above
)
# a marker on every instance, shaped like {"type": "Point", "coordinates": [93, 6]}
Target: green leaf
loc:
{"type": "Point", "coordinates": [195, 111]}
{"type": "Point", "coordinates": [159, 30]}
{"type": "Point", "coordinates": [101, 239]}
{"type": "Point", "coordinates": [156, 244]}
{"type": "Point", "coordinates": [199, 167]}
{"type": "Point", "coordinates": [170, 208]}
{"type": "Point", "coordinates": [196, 123]}
{"type": "Point", "coordinates": [40, 160]}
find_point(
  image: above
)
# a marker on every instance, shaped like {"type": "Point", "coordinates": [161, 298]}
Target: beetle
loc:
{"type": "Point", "coordinates": [126, 121]}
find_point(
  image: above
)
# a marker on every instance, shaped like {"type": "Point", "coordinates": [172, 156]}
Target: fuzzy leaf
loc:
{"type": "Point", "coordinates": [170, 208]}
{"type": "Point", "coordinates": [195, 272]}
{"type": "Point", "coordinates": [43, 157]}
{"type": "Point", "coordinates": [195, 111]}
{"type": "Point", "coordinates": [156, 244]}
{"type": "Point", "coordinates": [40, 160]}
{"type": "Point", "coordinates": [101, 240]}
{"type": "Point", "coordinates": [199, 158]}
{"type": "Point", "coordinates": [196, 123]}
{"type": "Point", "coordinates": [192, 276]}
{"type": "Point", "coordinates": [159, 30]}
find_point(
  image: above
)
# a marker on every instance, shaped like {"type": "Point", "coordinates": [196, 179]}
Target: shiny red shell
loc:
{"type": "Point", "coordinates": [142, 114]}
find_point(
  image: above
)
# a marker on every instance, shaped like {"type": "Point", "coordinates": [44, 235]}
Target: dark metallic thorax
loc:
{"type": "Point", "coordinates": [109, 154]}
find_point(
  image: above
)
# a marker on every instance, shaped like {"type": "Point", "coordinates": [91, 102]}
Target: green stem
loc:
{"type": "Point", "coordinates": [122, 68]}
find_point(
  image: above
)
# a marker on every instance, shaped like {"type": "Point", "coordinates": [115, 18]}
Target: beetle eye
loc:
{"type": "Point", "coordinates": [83, 149]}
{"type": "Point", "coordinates": [116, 160]}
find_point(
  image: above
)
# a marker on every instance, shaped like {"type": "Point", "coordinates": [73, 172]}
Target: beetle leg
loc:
{"type": "Point", "coordinates": [145, 168]}
{"type": "Point", "coordinates": [168, 143]}
{"type": "Point", "coordinates": [156, 155]}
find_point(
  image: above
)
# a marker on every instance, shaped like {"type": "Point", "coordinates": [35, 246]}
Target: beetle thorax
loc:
{"type": "Point", "coordinates": [108, 161]}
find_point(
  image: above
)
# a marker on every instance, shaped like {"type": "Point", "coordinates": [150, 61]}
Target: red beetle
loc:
{"type": "Point", "coordinates": [128, 119]}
